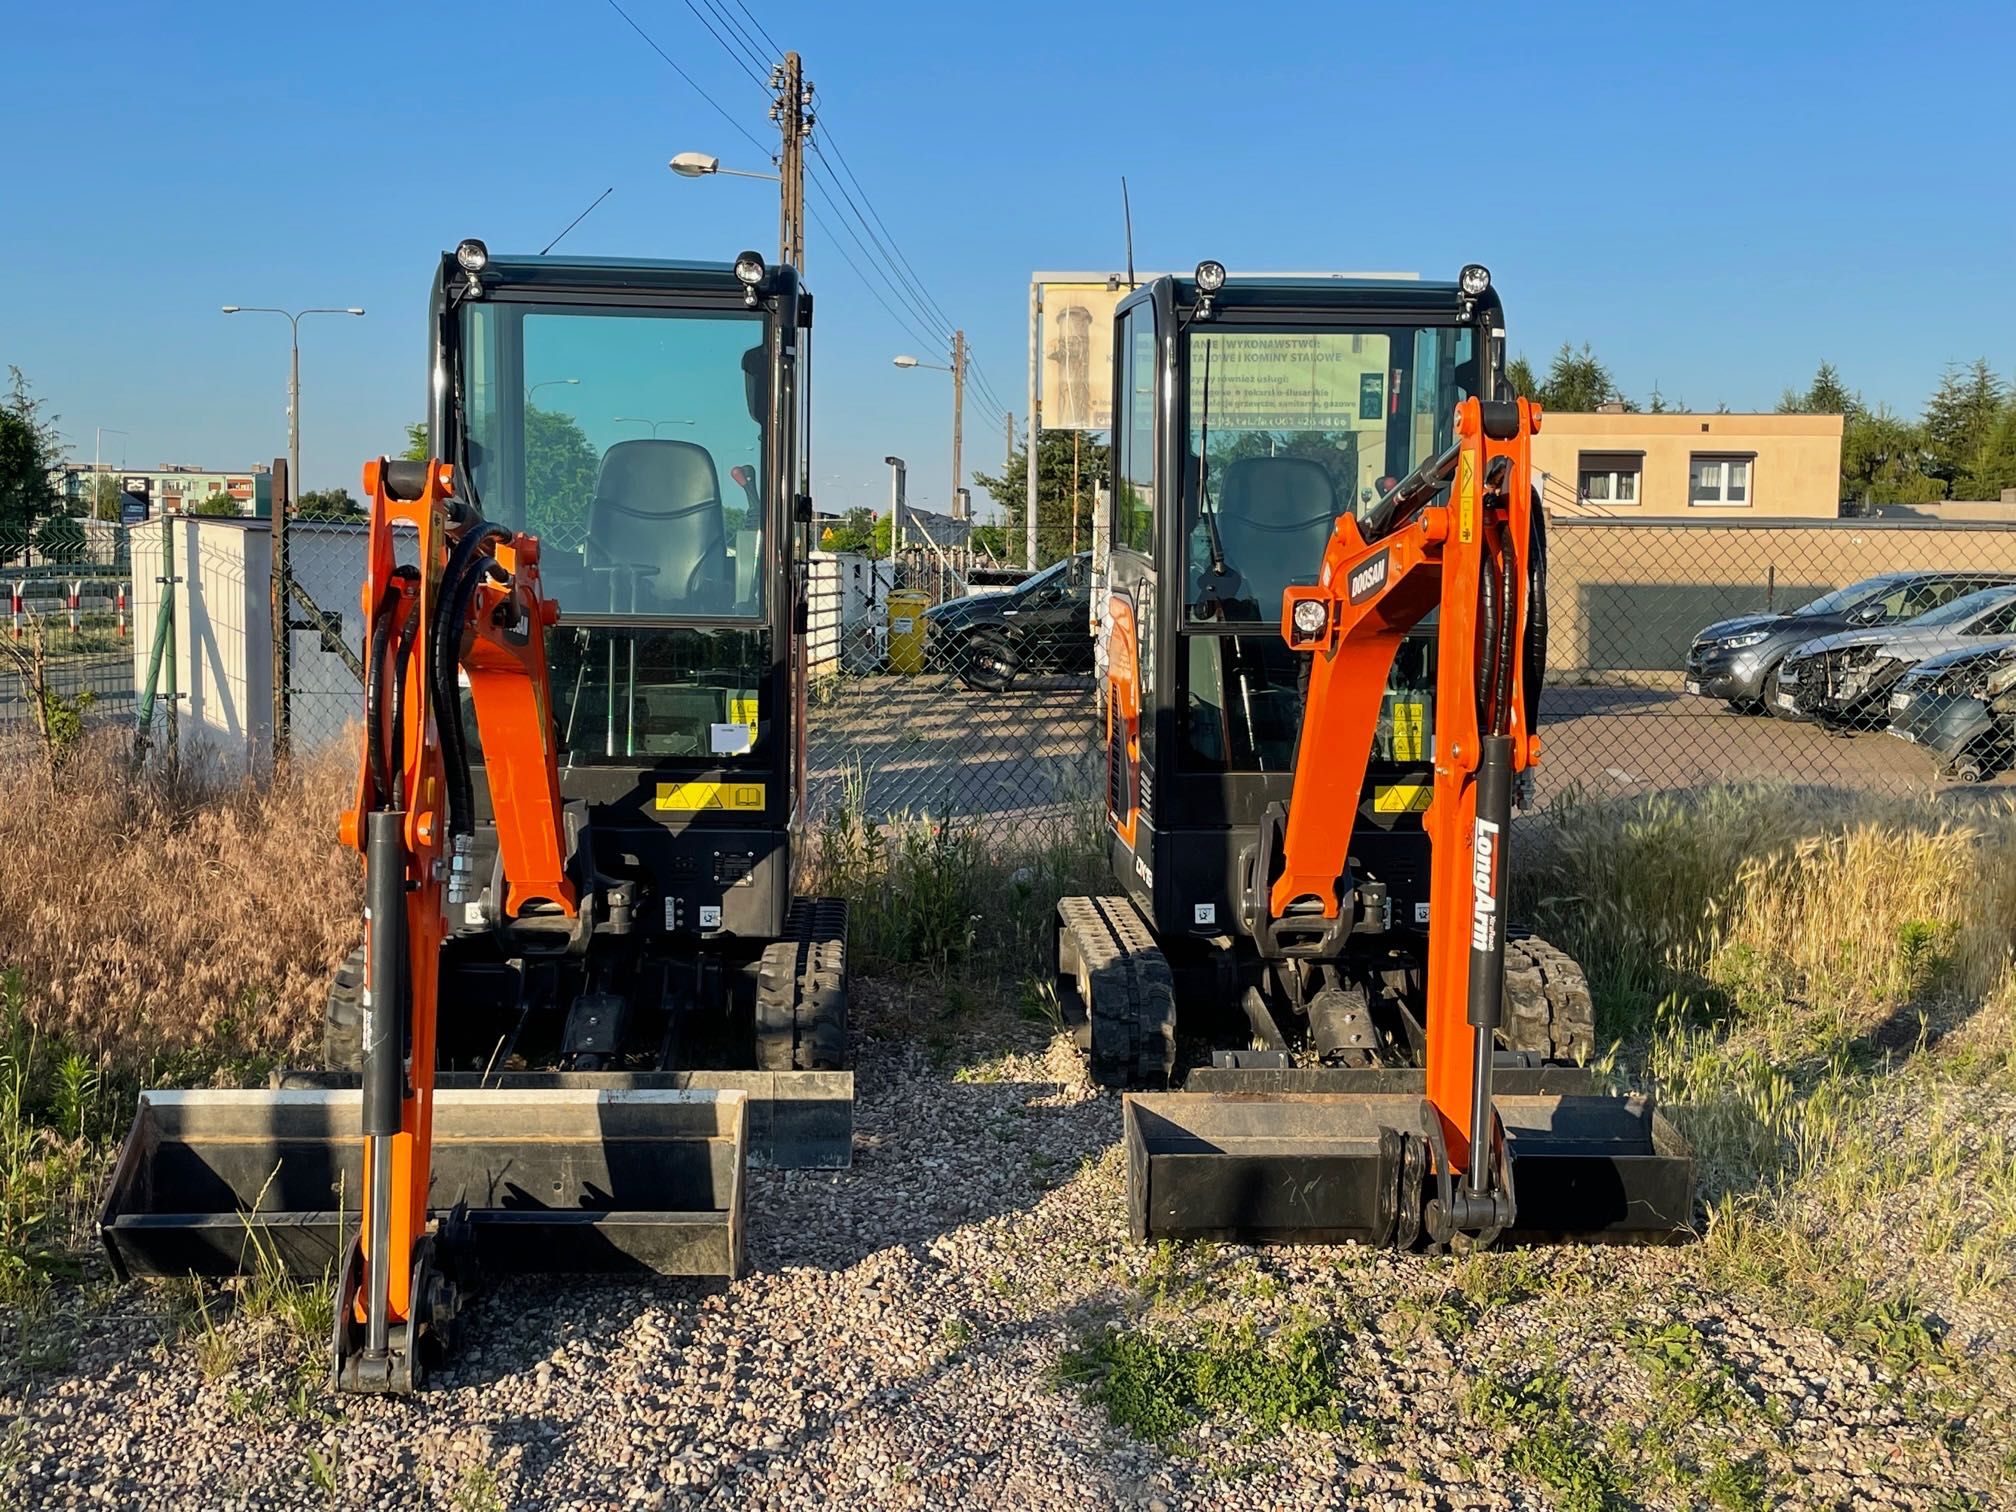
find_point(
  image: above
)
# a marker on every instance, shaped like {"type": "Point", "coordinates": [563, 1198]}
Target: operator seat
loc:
{"type": "Point", "coordinates": [656, 527]}
{"type": "Point", "coordinates": [1275, 516]}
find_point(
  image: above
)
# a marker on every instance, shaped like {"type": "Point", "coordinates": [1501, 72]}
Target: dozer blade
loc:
{"type": "Point", "coordinates": [225, 1182]}
{"type": "Point", "coordinates": [1319, 1157]}
{"type": "Point", "coordinates": [798, 1120]}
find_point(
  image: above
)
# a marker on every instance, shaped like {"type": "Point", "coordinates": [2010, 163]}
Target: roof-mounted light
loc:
{"type": "Point", "coordinates": [1474, 279]}
{"type": "Point", "coordinates": [1210, 276]}
{"type": "Point", "coordinates": [749, 268]}
{"type": "Point", "coordinates": [471, 255]}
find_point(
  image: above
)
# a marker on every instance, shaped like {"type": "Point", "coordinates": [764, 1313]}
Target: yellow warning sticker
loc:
{"type": "Point", "coordinates": [742, 710]}
{"type": "Point", "coordinates": [1402, 798]}
{"type": "Point", "coordinates": [1410, 721]}
{"type": "Point", "coordinates": [696, 797]}
{"type": "Point", "coordinates": [1466, 498]}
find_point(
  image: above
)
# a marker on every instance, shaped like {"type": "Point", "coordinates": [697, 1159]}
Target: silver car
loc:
{"type": "Point", "coordinates": [1844, 678]}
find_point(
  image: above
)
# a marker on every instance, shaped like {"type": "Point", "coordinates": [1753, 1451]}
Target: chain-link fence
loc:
{"type": "Point", "coordinates": [1848, 653]}
{"type": "Point", "coordinates": [66, 588]}
{"type": "Point", "coordinates": [945, 685]}
{"type": "Point", "coordinates": [1854, 653]}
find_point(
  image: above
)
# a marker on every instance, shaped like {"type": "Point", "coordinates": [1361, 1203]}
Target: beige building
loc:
{"type": "Point", "coordinates": [1638, 466]}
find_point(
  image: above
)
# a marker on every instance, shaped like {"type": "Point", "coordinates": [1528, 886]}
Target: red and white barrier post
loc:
{"type": "Point", "coordinates": [76, 606]}
{"type": "Point", "coordinates": [15, 608]}
{"type": "Point", "coordinates": [120, 600]}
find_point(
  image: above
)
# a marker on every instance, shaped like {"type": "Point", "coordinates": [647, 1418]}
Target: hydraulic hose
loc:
{"type": "Point", "coordinates": [1536, 613]}
{"type": "Point", "coordinates": [376, 756]}
{"type": "Point", "coordinates": [444, 658]}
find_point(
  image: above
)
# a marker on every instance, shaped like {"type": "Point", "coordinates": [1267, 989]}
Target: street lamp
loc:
{"type": "Point", "coordinates": [641, 420]}
{"type": "Point", "coordinates": [546, 383]}
{"type": "Point", "coordinates": [958, 372]}
{"type": "Point", "coordinates": [282, 578]}
{"type": "Point", "coordinates": [293, 319]}
{"type": "Point", "coordinates": [701, 165]}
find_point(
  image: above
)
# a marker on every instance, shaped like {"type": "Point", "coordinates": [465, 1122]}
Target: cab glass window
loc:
{"type": "Point", "coordinates": [1134, 503]}
{"type": "Point", "coordinates": [632, 443]}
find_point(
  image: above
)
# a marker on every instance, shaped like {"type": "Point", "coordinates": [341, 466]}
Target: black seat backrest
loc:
{"type": "Point", "coordinates": [1275, 515]}
{"type": "Point", "coordinates": [657, 511]}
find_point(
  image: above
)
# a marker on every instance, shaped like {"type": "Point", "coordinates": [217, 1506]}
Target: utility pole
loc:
{"type": "Point", "coordinates": [792, 111]}
{"type": "Point", "coordinates": [958, 411]}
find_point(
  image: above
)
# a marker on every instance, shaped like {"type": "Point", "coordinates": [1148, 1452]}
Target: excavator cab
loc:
{"type": "Point", "coordinates": [588, 996]}
{"type": "Point", "coordinates": [1308, 667]}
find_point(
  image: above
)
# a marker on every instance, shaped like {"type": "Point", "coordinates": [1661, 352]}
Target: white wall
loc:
{"type": "Point", "coordinates": [223, 642]}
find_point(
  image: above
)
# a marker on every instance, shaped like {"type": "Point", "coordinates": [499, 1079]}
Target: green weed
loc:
{"type": "Point", "coordinates": [1156, 1386]}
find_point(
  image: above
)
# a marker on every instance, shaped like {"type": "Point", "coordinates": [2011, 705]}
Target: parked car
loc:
{"type": "Point", "coordinates": [1736, 660]}
{"type": "Point", "coordinates": [1042, 625]}
{"type": "Point", "coordinates": [1961, 707]}
{"type": "Point", "coordinates": [1844, 679]}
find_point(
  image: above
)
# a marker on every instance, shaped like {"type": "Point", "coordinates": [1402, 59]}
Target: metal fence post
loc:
{"type": "Point", "coordinates": [283, 497]}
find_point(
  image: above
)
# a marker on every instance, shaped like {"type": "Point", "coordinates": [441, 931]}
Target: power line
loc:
{"type": "Point", "coordinates": [847, 258]}
{"type": "Point", "coordinates": [891, 281]}
{"type": "Point", "coordinates": [740, 62]}
{"type": "Point", "coordinates": [759, 28]}
{"type": "Point", "coordinates": [693, 83]}
{"type": "Point", "coordinates": [827, 140]}
{"type": "Point", "coordinates": [748, 43]}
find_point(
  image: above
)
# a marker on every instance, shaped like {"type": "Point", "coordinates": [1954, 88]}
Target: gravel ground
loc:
{"type": "Point", "coordinates": [896, 1343]}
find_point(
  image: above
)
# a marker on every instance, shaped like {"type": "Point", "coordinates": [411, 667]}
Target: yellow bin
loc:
{"type": "Point", "coordinates": [906, 631]}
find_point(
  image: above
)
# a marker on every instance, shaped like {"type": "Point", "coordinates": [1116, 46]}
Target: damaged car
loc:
{"type": "Point", "coordinates": [1961, 708]}
{"type": "Point", "coordinates": [1844, 680]}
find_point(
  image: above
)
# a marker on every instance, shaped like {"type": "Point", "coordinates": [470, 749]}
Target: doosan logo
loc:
{"type": "Point", "coordinates": [1484, 887]}
{"type": "Point", "coordinates": [1368, 579]}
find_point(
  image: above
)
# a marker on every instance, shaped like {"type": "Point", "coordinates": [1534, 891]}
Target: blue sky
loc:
{"type": "Point", "coordinates": [1715, 197]}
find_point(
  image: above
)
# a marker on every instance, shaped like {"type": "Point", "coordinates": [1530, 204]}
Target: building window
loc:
{"type": "Point", "coordinates": [1609, 477]}
{"type": "Point", "coordinates": [1719, 481]}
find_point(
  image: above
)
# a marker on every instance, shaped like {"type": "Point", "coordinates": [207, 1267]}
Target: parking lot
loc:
{"type": "Point", "coordinates": [931, 745]}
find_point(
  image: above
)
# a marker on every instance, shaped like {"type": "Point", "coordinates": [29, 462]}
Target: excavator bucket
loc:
{"type": "Point", "coordinates": [1311, 1156]}
{"type": "Point", "coordinates": [552, 1179]}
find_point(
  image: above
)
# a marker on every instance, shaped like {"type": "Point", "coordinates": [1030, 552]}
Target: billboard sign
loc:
{"type": "Point", "coordinates": [1076, 348]}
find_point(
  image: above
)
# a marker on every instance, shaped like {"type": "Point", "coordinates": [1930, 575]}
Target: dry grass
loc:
{"type": "Point", "coordinates": [157, 913]}
{"type": "Point", "coordinates": [1820, 989]}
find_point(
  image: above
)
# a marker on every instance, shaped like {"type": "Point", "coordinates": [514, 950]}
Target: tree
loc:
{"type": "Point", "coordinates": [1883, 460]}
{"type": "Point", "coordinates": [1576, 381]}
{"type": "Point", "coordinates": [560, 469]}
{"type": "Point", "coordinates": [328, 504]}
{"type": "Point", "coordinates": [1067, 462]}
{"type": "Point", "coordinates": [108, 496]}
{"type": "Point", "coordinates": [29, 449]}
{"type": "Point", "coordinates": [416, 442]}
{"type": "Point", "coordinates": [1962, 419]}
{"type": "Point", "coordinates": [854, 531]}
{"type": "Point", "coordinates": [218, 506]}
{"type": "Point", "coordinates": [1825, 395]}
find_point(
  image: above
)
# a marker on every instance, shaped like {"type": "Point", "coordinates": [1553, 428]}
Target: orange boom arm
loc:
{"type": "Point", "coordinates": [1471, 557]}
{"type": "Point", "coordinates": [468, 607]}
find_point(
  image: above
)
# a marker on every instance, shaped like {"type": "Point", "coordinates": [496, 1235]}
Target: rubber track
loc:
{"type": "Point", "coordinates": [1133, 999]}
{"type": "Point", "coordinates": [1547, 1005]}
{"type": "Point", "coordinates": [801, 990]}
{"type": "Point", "coordinates": [343, 1016]}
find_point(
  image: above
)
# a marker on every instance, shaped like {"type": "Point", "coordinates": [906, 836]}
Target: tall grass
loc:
{"type": "Point", "coordinates": [152, 912]}
{"type": "Point", "coordinates": [1818, 986]}
{"type": "Point", "coordinates": [944, 893]}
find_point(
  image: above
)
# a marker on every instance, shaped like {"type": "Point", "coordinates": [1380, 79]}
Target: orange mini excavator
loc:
{"type": "Point", "coordinates": [587, 996]}
{"type": "Point", "coordinates": [1327, 638]}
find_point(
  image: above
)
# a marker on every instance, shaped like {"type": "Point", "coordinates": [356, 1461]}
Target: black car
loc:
{"type": "Point", "coordinates": [1736, 660]}
{"type": "Point", "coordinates": [1961, 707]}
{"type": "Point", "coordinates": [1043, 625]}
